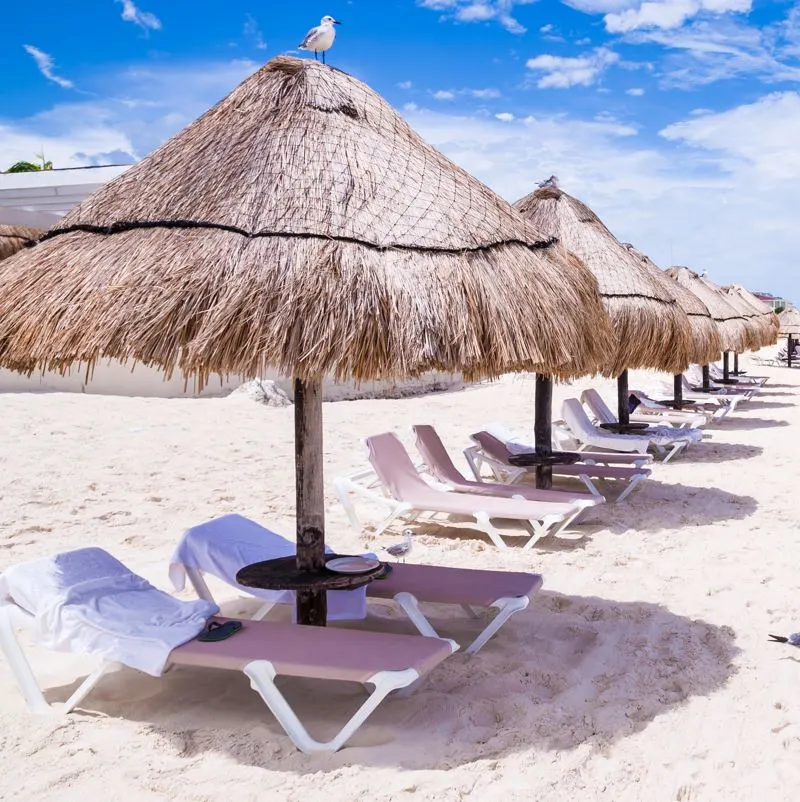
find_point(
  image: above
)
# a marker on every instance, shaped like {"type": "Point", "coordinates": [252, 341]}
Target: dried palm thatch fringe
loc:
{"type": "Point", "coordinates": [763, 312]}
{"type": "Point", "coordinates": [301, 224]}
{"type": "Point", "coordinates": [763, 330]}
{"type": "Point", "coordinates": [13, 238]}
{"type": "Point", "coordinates": [734, 332]}
{"type": "Point", "coordinates": [706, 342]}
{"type": "Point", "coordinates": [650, 329]}
{"type": "Point", "coordinates": [789, 321]}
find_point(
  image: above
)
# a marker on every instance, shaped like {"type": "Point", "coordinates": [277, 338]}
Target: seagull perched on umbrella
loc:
{"type": "Point", "coordinates": [320, 39]}
{"type": "Point", "coordinates": [403, 549]}
{"type": "Point", "coordinates": [549, 182]}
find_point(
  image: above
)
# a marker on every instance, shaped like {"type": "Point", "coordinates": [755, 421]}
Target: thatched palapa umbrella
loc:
{"type": "Point", "coordinates": [706, 341]}
{"type": "Point", "coordinates": [764, 313]}
{"type": "Point", "coordinates": [650, 329]}
{"type": "Point", "coordinates": [790, 327]}
{"type": "Point", "coordinates": [12, 238]}
{"type": "Point", "coordinates": [300, 224]}
{"type": "Point", "coordinates": [735, 332]}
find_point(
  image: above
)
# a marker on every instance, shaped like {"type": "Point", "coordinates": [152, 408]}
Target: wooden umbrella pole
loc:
{"type": "Point", "coordinates": [789, 351]}
{"type": "Point", "coordinates": [725, 369]}
{"type": "Point", "coordinates": [543, 428]}
{"type": "Point", "coordinates": [706, 379]}
{"type": "Point", "coordinates": [677, 390]}
{"type": "Point", "coordinates": [736, 363]}
{"type": "Point", "coordinates": [311, 604]}
{"type": "Point", "coordinates": [623, 414]}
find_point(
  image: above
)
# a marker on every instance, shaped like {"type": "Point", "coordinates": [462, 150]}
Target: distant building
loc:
{"type": "Point", "coordinates": [777, 304]}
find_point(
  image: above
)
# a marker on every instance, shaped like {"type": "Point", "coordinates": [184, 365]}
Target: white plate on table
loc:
{"type": "Point", "coordinates": [352, 565]}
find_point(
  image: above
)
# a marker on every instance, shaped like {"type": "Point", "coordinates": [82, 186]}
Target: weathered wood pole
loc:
{"type": "Point", "coordinates": [736, 363]}
{"type": "Point", "coordinates": [623, 414]}
{"type": "Point", "coordinates": [726, 374]}
{"type": "Point", "coordinates": [543, 428]}
{"type": "Point", "coordinates": [677, 390]}
{"type": "Point", "coordinates": [706, 379]}
{"type": "Point", "coordinates": [312, 605]}
{"type": "Point", "coordinates": [789, 351]}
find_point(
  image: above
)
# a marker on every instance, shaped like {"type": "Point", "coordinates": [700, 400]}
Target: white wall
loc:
{"type": "Point", "coordinates": [111, 377]}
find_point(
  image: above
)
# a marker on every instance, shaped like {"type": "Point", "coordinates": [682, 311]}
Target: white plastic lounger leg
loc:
{"type": "Point", "coordinates": [199, 584]}
{"type": "Point", "coordinates": [629, 489]}
{"type": "Point", "coordinates": [262, 679]}
{"type": "Point", "coordinates": [506, 607]}
{"type": "Point", "coordinates": [21, 668]}
{"type": "Point", "coordinates": [409, 604]}
{"type": "Point", "coordinates": [484, 523]}
{"type": "Point", "coordinates": [676, 449]}
{"type": "Point", "coordinates": [590, 485]}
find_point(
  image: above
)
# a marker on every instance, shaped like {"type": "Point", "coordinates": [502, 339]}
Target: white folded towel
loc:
{"type": "Point", "coordinates": [225, 545]}
{"type": "Point", "coordinates": [87, 601]}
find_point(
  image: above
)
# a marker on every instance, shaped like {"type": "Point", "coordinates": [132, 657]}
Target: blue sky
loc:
{"type": "Point", "coordinates": [677, 120]}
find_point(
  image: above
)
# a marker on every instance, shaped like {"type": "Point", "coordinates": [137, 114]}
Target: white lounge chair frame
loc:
{"type": "Point", "coordinates": [261, 674]}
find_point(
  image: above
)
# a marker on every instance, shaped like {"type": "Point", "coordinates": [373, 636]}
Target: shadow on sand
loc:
{"type": "Point", "coordinates": [756, 404]}
{"type": "Point", "coordinates": [568, 671]}
{"type": "Point", "coordinates": [710, 451]}
{"type": "Point", "coordinates": [743, 424]}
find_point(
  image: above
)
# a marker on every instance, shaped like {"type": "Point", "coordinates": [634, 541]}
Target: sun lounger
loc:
{"type": "Point", "coordinates": [661, 424]}
{"type": "Point", "coordinates": [438, 462]}
{"type": "Point", "coordinates": [693, 381]}
{"type": "Point", "coordinates": [224, 545]}
{"type": "Point", "coordinates": [67, 600]}
{"type": "Point", "coordinates": [699, 414]}
{"type": "Point", "coordinates": [644, 413]}
{"type": "Point", "coordinates": [495, 454]}
{"type": "Point", "coordinates": [716, 373]}
{"type": "Point", "coordinates": [407, 495]}
{"type": "Point", "coordinates": [590, 436]}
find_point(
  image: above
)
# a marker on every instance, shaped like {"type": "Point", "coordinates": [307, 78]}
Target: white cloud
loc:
{"type": "Point", "coordinates": [480, 11]}
{"type": "Point", "coordinates": [505, 117]}
{"type": "Point", "coordinates": [635, 91]}
{"type": "Point", "coordinates": [130, 113]}
{"type": "Point", "coordinates": [405, 85]}
{"type": "Point", "coordinates": [253, 33]}
{"type": "Point", "coordinates": [546, 28]}
{"type": "Point", "coordinates": [480, 94]}
{"type": "Point", "coordinates": [144, 19]}
{"type": "Point", "coordinates": [719, 192]}
{"type": "Point", "coordinates": [44, 61]}
{"type": "Point", "coordinates": [559, 72]}
{"type": "Point", "coordinates": [669, 14]}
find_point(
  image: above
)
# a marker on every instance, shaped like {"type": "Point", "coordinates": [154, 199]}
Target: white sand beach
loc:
{"type": "Point", "coordinates": [642, 671]}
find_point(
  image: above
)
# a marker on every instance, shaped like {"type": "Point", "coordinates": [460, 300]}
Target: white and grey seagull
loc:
{"type": "Point", "coordinates": [403, 549]}
{"type": "Point", "coordinates": [320, 39]}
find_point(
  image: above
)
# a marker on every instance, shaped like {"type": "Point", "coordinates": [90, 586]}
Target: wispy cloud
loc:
{"type": "Point", "coordinates": [561, 72]}
{"type": "Point", "coordinates": [480, 11]}
{"type": "Point", "coordinates": [253, 33]}
{"type": "Point", "coordinates": [44, 61]}
{"type": "Point", "coordinates": [479, 94]}
{"type": "Point", "coordinates": [635, 91]}
{"type": "Point", "coordinates": [405, 85]}
{"type": "Point", "coordinates": [144, 19]}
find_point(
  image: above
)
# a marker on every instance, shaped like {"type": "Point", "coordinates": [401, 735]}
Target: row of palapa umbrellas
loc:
{"type": "Point", "coordinates": [301, 224]}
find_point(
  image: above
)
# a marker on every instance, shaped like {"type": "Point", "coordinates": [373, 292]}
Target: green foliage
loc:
{"type": "Point", "coordinates": [31, 167]}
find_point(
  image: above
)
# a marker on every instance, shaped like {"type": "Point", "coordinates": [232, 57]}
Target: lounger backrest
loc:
{"type": "Point", "coordinates": [599, 409]}
{"type": "Point", "coordinates": [394, 467]}
{"type": "Point", "coordinates": [493, 447]}
{"type": "Point", "coordinates": [435, 455]}
{"type": "Point", "coordinates": [578, 420]}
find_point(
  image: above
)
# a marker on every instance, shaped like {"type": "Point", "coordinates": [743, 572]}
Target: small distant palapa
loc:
{"type": "Point", "coordinates": [320, 39]}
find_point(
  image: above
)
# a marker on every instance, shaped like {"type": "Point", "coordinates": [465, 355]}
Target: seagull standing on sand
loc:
{"type": "Point", "coordinates": [792, 640]}
{"type": "Point", "coordinates": [403, 549]}
{"type": "Point", "coordinates": [320, 39]}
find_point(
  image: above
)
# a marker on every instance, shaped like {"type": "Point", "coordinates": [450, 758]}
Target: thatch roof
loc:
{"type": "Point", "coordinates": [790, 321]}
{"type": "Point", "coordinates": [301, 224]}
{"type": "Point", "coordinates": [12, 238]}
{"type": "Point", "coordinates": [734, 332]}
{"type": "Point", "coordinates": [764, 332]}
{"type": "Point", "coordinates": [650, 329]}
{"type": "Point", "coordinates": [763, 310]}
{"type": "Point", "coordinates": [706, 341]}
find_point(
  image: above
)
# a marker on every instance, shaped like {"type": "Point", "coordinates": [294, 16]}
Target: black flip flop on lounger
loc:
{"type": "Point", "coordinates": [216, 631]}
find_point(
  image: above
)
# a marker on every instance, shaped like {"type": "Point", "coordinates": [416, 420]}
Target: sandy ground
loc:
{"type": "Point", "coordinates": [642, 671]}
